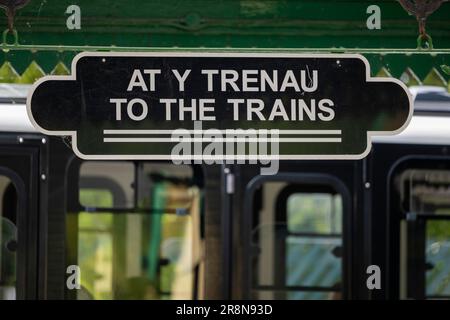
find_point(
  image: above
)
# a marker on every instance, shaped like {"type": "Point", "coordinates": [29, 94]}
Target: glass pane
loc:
{"type": "Point", "coordinates": [311, 262]}
{"type": "Point", "coordinates": [425, 191]}
{"type": "Point", "coordinates": [99, 198]}
{"type": "Point", "coordinates": [425, 242]}
{"type": "Point", "coordinates": [286, 260]}
{"type": "Point", "coordinates": [145, 255]}
{"type": "Point", "coordinates": [115, 177]}
{"type": "Point", "coordinates": [95, 256]}
{"type": "Point", "coordinates": [8, 239]}
{"type": "Point", "coordinates": [115, 184]}
{"type": "Point", "coordinates": [297, 243]}
{"type": "Point", "coordinates": [438, 257]}
{"type": "Point", "coordinates": [314, 212]}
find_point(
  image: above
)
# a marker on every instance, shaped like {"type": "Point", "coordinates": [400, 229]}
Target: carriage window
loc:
{"type": "Point", "coordinates": [8, 238]}
{"type": "Point", "coordinates": [425, 236]}
{"type": "Point", "coordinates": [299, 241]}
{"type": "Point", "coordinates": [148, 249]}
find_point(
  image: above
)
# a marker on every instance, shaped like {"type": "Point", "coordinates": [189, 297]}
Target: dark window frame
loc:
{"type": "Point", "coordinates": [281, 216]}
{"type": "Point", "coordinates": [311, 179]}
{"type": "Point", "coordinates": [75, 183]}
{"type": "Point", "coordinates": [416, 224]}
{"type": "Point", "coordinates": [22, 202]}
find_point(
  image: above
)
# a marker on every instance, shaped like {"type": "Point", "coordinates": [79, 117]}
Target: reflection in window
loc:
{"type": "Point", "coordinates": [314, 212]}
{"type": "Point", "coordinates": [299, 241]}
{"type": "Point", "coordinates": [151, 251]}
{"type": "Point", "coordinates": [425, 191]}
{"type": "Point", "coordinates": [8, 239]}
{"type": "Point", "coordinates": [117, 177]}
{"type": "Point", "coordinates": [438, 258]}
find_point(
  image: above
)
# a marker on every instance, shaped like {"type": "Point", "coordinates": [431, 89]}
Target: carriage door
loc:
{"type": "Point", "coordinates": [424, 199]}
{"type": "Point", "coordinates": [296, 243]}
{"type": "Point", "coordinates": [18, 222]}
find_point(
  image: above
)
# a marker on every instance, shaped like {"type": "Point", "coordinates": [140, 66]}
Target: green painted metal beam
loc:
{"type": "Point", "coordinates": [285, 25]}
{"type": "Point", "coordinates": [222, 23]}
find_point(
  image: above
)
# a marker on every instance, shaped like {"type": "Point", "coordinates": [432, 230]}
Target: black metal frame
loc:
{"type": "Point", "coordinates": [21, 254]}
{"type": "Point", "coordinates": [227, 233]}
{"type": "Point", "coordinates": [281, 216]}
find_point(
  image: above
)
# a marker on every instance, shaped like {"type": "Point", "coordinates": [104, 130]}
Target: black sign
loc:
{"type": "Point", "coordinates": [143, 105]}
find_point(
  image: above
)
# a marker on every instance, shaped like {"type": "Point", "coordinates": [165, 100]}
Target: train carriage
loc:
{"type": "Point", "coordinates": [154, 230]}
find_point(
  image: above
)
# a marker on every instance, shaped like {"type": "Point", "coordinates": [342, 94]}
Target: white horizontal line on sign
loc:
{"type": "Point", "coordinates": [231, 131]}
{"type": "Point", "coordinates": [235, 139]}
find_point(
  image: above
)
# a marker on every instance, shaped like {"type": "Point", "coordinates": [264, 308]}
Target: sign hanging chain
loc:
{"type": "Point", "coordinates": [11, 7]}
{"type": "Point", "coordinates": [422, 9]}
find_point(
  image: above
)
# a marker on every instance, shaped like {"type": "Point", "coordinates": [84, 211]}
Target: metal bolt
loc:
{"type": "Point", "coordinates": [20, 140]}
{"type": "Point", "coordinates": [43, 177]}
{"type": "Point", "coordinates": [367, 185]}
{"type": "Point", "coordinates": [44, 141]}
